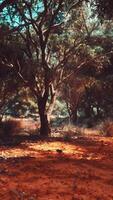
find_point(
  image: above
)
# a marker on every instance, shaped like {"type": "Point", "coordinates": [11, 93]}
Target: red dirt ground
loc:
{"type": "Point", "coordinates": [80, 169]}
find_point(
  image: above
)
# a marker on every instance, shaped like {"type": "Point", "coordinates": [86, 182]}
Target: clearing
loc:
{"type": "Point", "coordinates": [79, 169]}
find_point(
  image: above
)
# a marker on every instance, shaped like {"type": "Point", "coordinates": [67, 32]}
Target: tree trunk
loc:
{"type": "Point", "coordinates": [51, 106]}
{"type": "Point", "coordinates": [73, 116]}
{"type": "Point", "coordinates": [44, 123]}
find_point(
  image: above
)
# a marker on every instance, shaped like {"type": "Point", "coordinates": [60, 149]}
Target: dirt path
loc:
{"type": "Point", "coordinates": [57, 170]}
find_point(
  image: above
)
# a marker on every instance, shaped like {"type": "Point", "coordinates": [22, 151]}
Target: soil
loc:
{"type": "Point", "coordinates": [79, 169]}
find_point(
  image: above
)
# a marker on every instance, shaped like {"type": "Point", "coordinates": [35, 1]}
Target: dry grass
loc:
{"type": "Point", "coordinates": [70, 131]}
{"type": "Point", "coordinates": [106, 128]}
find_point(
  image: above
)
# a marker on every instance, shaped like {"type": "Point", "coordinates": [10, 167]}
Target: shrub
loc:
{"type": "Point", "coordinates": [18, 126]}
{"type": "Point", "coordinates": [70, 132]}
{"type": "Point", "coordinates": [10, 127]}
{"type": "Point", "coordinates": [107, 128]}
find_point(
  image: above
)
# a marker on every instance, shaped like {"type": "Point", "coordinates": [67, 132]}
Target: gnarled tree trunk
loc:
{"type": "Point", "coordinates": [44, 123]}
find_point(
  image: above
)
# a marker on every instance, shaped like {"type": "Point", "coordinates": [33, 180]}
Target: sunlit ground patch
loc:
{"type": "Point", "coordinates": [64, 149]}
{"type": "Point", "coordinates": [13, 153]}
{"type": "Point", "coordinates": [50, 148]}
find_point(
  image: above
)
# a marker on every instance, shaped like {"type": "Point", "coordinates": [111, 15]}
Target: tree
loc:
{"type": "Point", "coordinates": [39, 28]}
{"type": "Point", "coordinates": [72, 93]}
